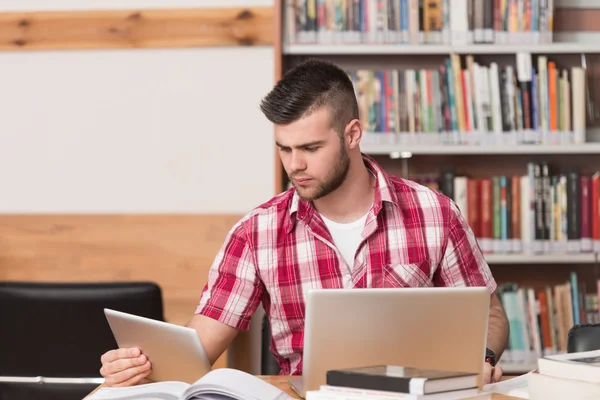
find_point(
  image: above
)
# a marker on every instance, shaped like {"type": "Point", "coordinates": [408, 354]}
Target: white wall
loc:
{"type": "Point", "coordinates": [156, 130]}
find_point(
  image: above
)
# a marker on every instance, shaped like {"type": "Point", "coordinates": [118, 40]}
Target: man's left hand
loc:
{"type": "Point", "coordinates": [491, 374]}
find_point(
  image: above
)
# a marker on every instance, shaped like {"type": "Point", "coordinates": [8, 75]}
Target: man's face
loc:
{"type": "Point", "coordinates": [313, 155]}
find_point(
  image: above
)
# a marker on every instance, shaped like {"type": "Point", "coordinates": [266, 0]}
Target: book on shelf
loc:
{"type": "Point", "coordinates": [222, 383]}
{"type": "Point", "coordinates": [418, 22]}
{"type": "Point", "coordinates": [472, 104]}
{"type": "Point", "coordinates": [397, 382]}
{"type": "Point", "coordinates": [540, 211]}
{"type": "Point", "coordinates": [540, 319]}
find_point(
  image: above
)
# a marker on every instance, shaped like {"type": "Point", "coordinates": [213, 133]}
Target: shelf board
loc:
{"type": "Point", "coordinates": [400, 49]}
{"type": "Point", "coordinates": [316, 49]}
{"type": "Point", "coordinates": [583, 258]}
{"type": "Point", "coordinates": [379, 149]}
{"type": "Point", "coordinates": [548, 48]}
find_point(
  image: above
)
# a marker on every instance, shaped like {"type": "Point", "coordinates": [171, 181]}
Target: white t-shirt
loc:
{"type": "Point", "coordinates": [346, 237]}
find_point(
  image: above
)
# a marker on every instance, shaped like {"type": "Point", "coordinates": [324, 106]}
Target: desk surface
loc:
{"type": "Point", "coordinates": [281, 382]}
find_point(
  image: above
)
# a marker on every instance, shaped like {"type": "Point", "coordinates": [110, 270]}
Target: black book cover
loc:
{"type": "Point", "coordinates": [505, 102]}
{"type": "Point", "coordinates": [488, 19]}
{"type": "Point", "coordinates": [524, 78]}
{"type": "Point", "coordinates": [546, 200]}
{"type": "Point", "coordinates": [538, 197]}
{"type": "Point", "coordinates": [573, 203]}
{"type": "Point", "coordinates": [447, 181]}
{"type": "Point", "coordinates": [398, 379]}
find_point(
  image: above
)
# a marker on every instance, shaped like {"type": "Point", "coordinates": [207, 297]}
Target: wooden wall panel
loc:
{"type": "Point", "coordinates": [136, 28]}
{"type": "Point", "coordinates": [176, 251]}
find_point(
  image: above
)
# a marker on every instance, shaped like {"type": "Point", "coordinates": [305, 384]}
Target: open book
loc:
{"type": "Point", "coordinates": [218, 384]}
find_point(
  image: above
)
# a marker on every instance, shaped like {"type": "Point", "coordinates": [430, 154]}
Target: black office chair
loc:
{"type": "Point", "coordinates": [54, 391]}
{"type": "Point", "coordinates": [583, 337]}
{"type": "Point", "coordinates": [59, 330]}
{"type": "Point", "coordinates": [269, 365]}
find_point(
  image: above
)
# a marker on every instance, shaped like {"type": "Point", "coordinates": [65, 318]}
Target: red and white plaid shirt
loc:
{"type": "Point", "coordinates": [413, 237]}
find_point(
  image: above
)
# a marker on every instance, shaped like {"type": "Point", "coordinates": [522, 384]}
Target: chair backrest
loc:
{"type": "Point", "coordinates": [268, 363]}
{"type": "Point", "coordinates": [59, 329]}
{"type": "Point", "coordinates": [583, 337]}
{"type": "Point", "coordinates": [54, 391]}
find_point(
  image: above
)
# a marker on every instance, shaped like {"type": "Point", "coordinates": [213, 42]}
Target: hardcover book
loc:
{"type": "Point", "coordinates": [401, 379]}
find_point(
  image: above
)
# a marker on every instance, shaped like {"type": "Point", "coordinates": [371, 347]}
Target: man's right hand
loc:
{"type": "Point", "coordinates": [124, 367]}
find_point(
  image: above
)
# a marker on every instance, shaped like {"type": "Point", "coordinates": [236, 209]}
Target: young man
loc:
{"type": "Point", "coordinates": [345, 223]}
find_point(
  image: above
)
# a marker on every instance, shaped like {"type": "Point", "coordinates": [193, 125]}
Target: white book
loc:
{"type": "Point", "coordinates": [222, 383]}
{"type": "Point", "coordinates": [477, 98]}
{"type": "Point", "coordinates": [581, 366]}
{"type": "Point", "coordinates": [495, 97]}
{"type": "Point", "coordinates": [543, 387]}
{"type": "Point", "coordinates": [459, 24]}
{"type": "Point", "coordinates": [578, 104]}
{"type": "Point", "coordinates": [483, 94]}
{"type": "Point", "coordinates": [460, 195]}
{"type": "Point", "coordinates": [413, 21]}
{"type": "Point", "coordinates": [372, 22]}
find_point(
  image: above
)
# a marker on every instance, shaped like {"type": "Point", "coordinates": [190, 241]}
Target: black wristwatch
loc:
{"type": "Point", "coordinates": [490, 357]}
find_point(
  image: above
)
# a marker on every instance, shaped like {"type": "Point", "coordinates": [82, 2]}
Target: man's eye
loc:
{"type": "Point", "coordinates": [311, 149]}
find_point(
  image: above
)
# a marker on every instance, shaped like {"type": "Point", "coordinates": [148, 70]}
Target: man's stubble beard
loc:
{"type": "Point", "coordinates": [334, 179]}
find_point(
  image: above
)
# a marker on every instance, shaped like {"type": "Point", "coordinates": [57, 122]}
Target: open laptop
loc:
{"type": "Point", "coordinates": [175, 351]}
{"type": "Point", "coordinates": [436, 328]}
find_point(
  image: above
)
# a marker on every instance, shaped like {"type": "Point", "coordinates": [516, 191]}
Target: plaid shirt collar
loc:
{"type": "Point", "coordinates": [304, 210]}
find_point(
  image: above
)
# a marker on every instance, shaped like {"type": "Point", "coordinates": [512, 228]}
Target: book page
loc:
{"type": "Point", "coordinates": [515, 387]}
{"type": "Point", "coordinates": [234, 384]}
{"type": "Point", "coordinates": [149, 391]}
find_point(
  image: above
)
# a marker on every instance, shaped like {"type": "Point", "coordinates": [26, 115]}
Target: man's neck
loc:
{"type": "Point", "coordinates": [353, 199]}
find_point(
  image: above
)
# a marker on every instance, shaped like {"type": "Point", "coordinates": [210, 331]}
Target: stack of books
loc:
{"type": "Point", "coordinates": [397, 382]}
{"type": "Point", "coordinates": [566, 376]}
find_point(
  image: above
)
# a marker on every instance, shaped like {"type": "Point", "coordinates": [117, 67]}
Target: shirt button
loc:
{"type": "Point", "coordinates": [348, 276]}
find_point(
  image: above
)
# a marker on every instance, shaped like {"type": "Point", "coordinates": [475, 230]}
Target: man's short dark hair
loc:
{"type": "Point", "coordinates": [308, 87]}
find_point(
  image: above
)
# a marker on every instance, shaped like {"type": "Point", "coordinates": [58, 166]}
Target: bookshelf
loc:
{"type": "Point", "coordinates": [561, 262]}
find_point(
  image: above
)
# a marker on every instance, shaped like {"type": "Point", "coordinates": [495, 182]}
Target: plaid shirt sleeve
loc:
{"type": "Point", "coordinates": [234, 290]}
{"type": "Point", "coordinates": [462, 263]}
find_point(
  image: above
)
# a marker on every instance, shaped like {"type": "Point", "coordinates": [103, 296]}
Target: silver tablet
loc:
{"type": "Point", "coordinates": [175, 351]}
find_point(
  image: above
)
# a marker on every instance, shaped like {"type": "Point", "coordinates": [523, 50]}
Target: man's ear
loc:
{"type": "Point", "coordinates": [353, 133]}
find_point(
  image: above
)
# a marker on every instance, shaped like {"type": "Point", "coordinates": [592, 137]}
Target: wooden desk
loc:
{"type": "Point", "coordinates": [281, 382]}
